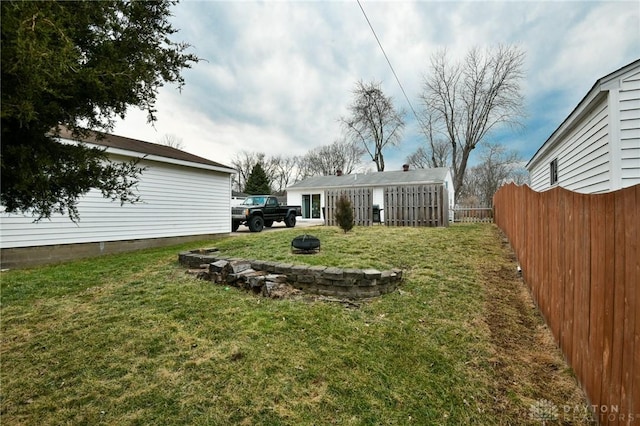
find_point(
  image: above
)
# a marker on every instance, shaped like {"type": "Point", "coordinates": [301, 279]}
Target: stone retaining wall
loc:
{"type": "Point", "coordinates": [257, 274]}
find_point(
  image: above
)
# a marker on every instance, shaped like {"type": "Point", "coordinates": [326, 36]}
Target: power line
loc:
{"type": "Point", "coordinates": [389, 62]}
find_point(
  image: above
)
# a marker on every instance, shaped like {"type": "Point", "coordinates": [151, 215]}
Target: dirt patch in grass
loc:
{"type": "Point", "coordinates": [529, 369]}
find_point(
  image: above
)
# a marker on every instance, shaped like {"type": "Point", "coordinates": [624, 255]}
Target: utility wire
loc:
{"type": "Point", "coordinates": [389, 62]}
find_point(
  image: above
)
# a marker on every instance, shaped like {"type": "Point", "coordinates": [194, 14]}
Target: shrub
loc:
{"type": "Point", "coordinates": [344, 214]}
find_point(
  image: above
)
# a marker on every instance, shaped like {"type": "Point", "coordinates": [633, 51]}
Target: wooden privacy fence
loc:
{"type": "Point", "coordinates": [472, 214]}
{"type": "Point", "coordinates": [416, 205]}
{"type": "Point", "coordinates": [361, 201]}
{"type": "Point", "coordinates": [580, 257]}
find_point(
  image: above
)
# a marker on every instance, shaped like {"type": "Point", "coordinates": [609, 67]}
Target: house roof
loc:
{"type": "Point", "coordinates": [595, 93]}
{"type": "Point", "coordinates": [411, 177]}
{"type": "Point", "coordinates": [142, 147]}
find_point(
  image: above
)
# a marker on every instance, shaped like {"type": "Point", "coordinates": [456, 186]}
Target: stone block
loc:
{"type": "Point", "coordinates": [398, 273]}
{"type": "Point", "coordinates": [374, 292]}
{"type": "Point", "coordinates": [298, 269]}
{"type": "Point", "coordinates": [182, 257]}
{"type": "Point", "coordinates": [324, 282]}
{"type": "Point", "coordinates": [269, 267]}
{"type": "Point", "coordinates": [324, 291]}
{"type": "Point", "coordinates": [333, 273]}
{"type": "Point", "coordinates": [317, 271]}
{"type": "Point", "coordinates": [218, 266]}
{"type": "Point", "coordinates": [387, 288]}
{"type": "Point", "coordinates": [385, 277]}
{"type": "Point", "coordinates": [367, 282]}
{"type": "Point", "coordinates": [371, 274]}
{"type": "Point", "coordinates": [238, 266]}
{"type": "Point", "coordinates": [248, 273]}
{"type": "Point", "coordinates": [283, 268]}
{"type": "Point", "coordinates": [306, 279]}
{"type": "Point", "coordinates": [208, 259]}
{"type": "Point", "coordinates": [353, 273]}
{"type": "Point", "coordinates": [256, 281]}
{"type": "Point", "coordinates": [258, 265]}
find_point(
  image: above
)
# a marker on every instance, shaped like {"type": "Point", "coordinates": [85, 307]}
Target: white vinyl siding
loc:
{"type": "Point", "coordinates": [630, 130]}
{"type": "Point", "coordinates": [176, 201]}
{"type": "Point", "coordinates": [598, 145]}
{"type": "Point", "coordinates": [583, 156]}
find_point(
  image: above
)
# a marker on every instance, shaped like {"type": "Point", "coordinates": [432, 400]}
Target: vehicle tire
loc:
{"type": "Point", "coordinates": [256, 223]}
{"type": "Point", "coordinates": [290, 221]}
{"type": "Point", "coordinates": [234, 226]}
{"type": "Point", "coordinates": [268, 223]}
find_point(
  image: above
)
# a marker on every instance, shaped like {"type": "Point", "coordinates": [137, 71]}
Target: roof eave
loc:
{"type": "Point", "coordinates": [367, 185]}
{"type": "Point", "coordinates": [159, 158]}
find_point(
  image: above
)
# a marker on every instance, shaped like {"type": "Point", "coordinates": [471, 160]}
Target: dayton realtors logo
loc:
{"type": "Point", "coordinates": [543, 411]}
{"type": "Point", "coordinates": [546, 412]}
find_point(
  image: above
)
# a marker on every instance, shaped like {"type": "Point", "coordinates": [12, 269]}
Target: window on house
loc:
{"type": "Point", "coordinates": [553, 171]}
{"type": "Point", "coordinates": [311, 206]}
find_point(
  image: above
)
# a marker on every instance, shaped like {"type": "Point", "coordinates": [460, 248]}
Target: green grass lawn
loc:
{"type": "Point", "coordinates": [132, 339]}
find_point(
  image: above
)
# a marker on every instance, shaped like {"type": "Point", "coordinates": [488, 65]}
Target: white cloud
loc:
{"type": "Point", "coordinates": [278, 75]}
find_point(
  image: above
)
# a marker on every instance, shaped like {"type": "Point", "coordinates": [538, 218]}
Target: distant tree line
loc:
{"type": "Point", "coordinates": [282, 171]}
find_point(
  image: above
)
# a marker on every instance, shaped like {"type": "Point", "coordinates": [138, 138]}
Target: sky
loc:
{"type": "Point", "coordinates": [277, 76]}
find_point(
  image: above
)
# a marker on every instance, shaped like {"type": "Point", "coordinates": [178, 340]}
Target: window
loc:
{"type": "Point", "coordinates": [311, 206]}
{"type": "Point", "coordinates": [553, 171]}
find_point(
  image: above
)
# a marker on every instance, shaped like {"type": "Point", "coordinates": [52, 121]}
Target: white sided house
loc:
{"type": "Point", "coordinates": [183, 198]}
{"type": "Point", "coordinates": [597, 147]}
{"type": "Point", "coordinates": [313, 193]}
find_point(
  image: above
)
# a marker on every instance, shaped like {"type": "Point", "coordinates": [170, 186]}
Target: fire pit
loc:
{"type": "Point", "coordinates": [305, 244]}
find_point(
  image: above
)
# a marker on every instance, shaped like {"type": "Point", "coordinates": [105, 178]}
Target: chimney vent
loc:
{"type": "Point", "coordinates": [405, 167]}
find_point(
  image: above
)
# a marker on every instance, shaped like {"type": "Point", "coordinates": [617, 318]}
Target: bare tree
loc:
{"type": "Point", "coordinates": [326, 160]}
{"type": "Point", "coordinates": [282, 171]}
{"type": "Point", "coordinates": [420, 158]}
{"type": "Point", "coordinates": [468, 100]}
{"type": "Point", "coordinates": [171, 140]}
{"type": "Point", "coordinates": [437, 151]}
{"type": "Point", "coordinates": [374, 121]}
{"type": "Point", "coordinates": [436, 154]}
{"type": "Point", "coordinates": [498, 166]}
{"type": "Point", "coordinates": [243, 162]}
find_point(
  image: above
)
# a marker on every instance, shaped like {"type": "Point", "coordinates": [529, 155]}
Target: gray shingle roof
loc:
{"type": "Point", "coordinates": [411, 177]}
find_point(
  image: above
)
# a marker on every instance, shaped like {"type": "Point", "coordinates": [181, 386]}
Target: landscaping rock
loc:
{"type": "Point", "coordinates": [273, 279]}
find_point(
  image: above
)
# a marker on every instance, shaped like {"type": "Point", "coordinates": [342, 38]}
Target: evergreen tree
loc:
{"type": "Point", "coordinates": [344, 214]}
{"type": "Point", "coordinates": [75, 64]}
{"type": "Point", "coordinates": [258, 182]}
